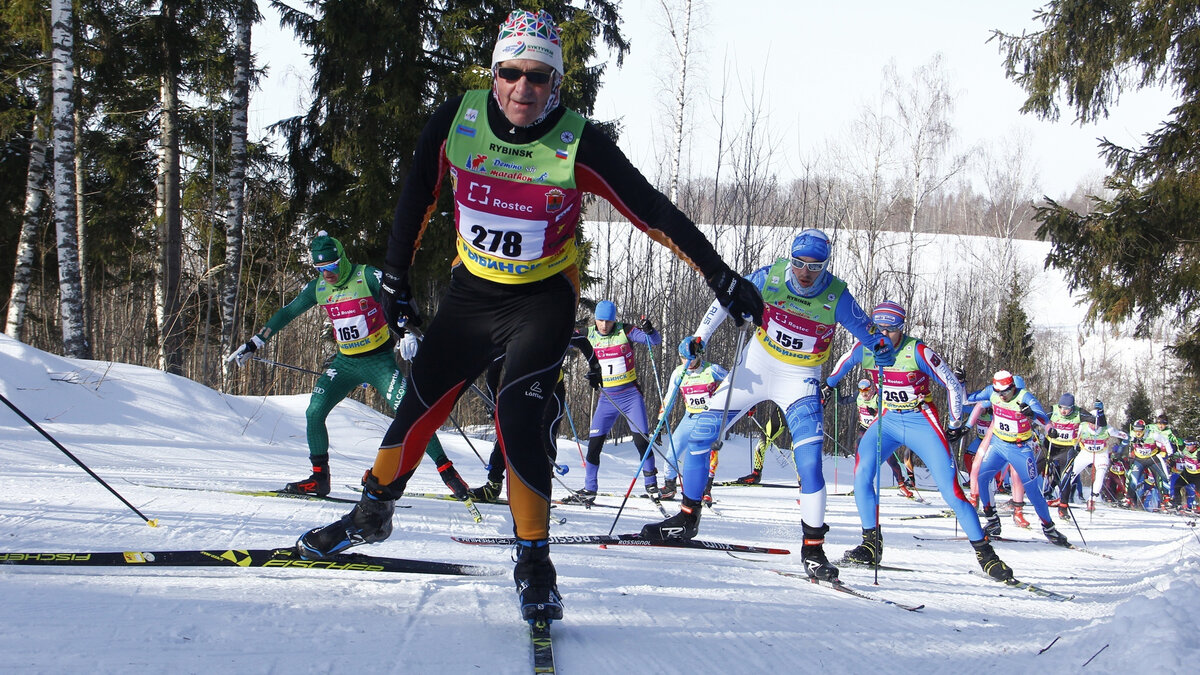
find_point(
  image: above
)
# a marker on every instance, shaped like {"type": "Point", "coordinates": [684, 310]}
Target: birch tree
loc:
{"type": "Point", "coordinates": [235, 211]}
{"type": "Point", "coordinates": [923, 104]}
{"type": "Point", "coordinates": [75, 343]}
{"type": "Point", "coordinates": [35, 194]}
{"type": "Point", "coordinates": [169, 266]}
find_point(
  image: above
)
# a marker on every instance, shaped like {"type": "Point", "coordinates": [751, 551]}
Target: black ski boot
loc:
{"type": "Point", "coordinates": [991, 526]}
{"type": "Point", "coordinates": [870, 551]}
{"type": "Point", "coordinates": [316, 484]}
{"type": "Point", "coordinates": [368, 522]}
{"type": "Point", "coordinates": [668, 491]}
{"type": "Point", "coordinates": [651, 480]}
{"type": "Point", "coordinates": [682, 525]}
{"type": "Point", "coordinates": [585, 497]}
{"type": "Point", "coordinates": [812, 553]}
{"type": "Point", "coordinates": [1054, 536]}
{"type": "Point", "coordinates": [537, 582]}
{"type": "Point", "coordinates": [752, 478]}
{"type": "Point", "coordinates": [488, 492]}
{"type": "Point", "coordinates": [458, 486]}
{"type": "Point", "coordinates": [991, 563]}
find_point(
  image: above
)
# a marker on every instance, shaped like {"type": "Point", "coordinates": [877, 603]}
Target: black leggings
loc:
{"type": "Point", "coordinates": [532, 324]}
{"type": "Point", "coordinates": [553, 418]}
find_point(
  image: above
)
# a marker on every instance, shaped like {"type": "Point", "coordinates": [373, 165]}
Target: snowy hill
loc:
{"type": "Point", "coordinates": [627, 609]}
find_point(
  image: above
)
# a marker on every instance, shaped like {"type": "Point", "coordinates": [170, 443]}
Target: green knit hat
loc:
{"type": "Point", "coordinates": [325, 249]}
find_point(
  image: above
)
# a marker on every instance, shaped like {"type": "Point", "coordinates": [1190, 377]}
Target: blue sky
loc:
{"type": "Point", "coordinates": [817, 65]}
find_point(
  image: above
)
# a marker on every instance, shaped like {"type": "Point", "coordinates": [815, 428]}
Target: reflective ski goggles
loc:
{"type": "Point", "coordinates": [533, 76]}
{"type": "Point", "coordinates": [328, 267]}
{"type": "Point", "coordinates": [810, 266]}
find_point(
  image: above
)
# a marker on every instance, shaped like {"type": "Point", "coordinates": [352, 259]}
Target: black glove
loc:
{"type": "Point", "coordinates": [1052, 432]}
{"type": "Point", "coordinates": [738, 296]}
{"type": "Point", "coordinates": [955, 433]}
{"type": "Point", "coordinates": [594, 378]}
{"type": "Point", "coordinates": [646, 326]}
{"type": "Point", "coordinates": [1027, 411]}
{"type": "Point", "coordinates": [398, 305]}
{"type": "Point", "coordinates": [827, 392]}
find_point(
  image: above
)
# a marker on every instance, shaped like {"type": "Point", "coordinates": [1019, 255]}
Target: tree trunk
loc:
{"type": "Point", "coordinates": [170, 225]}
{"type": "Point", "coordinates": [235, 213]}
{"type": "Point", "coordinates": [35, 194]}
{"type": "Point", "coordinates": [75, 342]}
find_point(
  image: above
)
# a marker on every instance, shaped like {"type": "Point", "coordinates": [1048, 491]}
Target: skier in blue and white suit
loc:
{"type": "Point", "coordinates": [909, 417]}
{"type": "Point", "coordinates": [1014, 412]}
{"type": "Point", "coordinates": [803, 303]}
{"type": "Point", "coordinates": [694, 381]}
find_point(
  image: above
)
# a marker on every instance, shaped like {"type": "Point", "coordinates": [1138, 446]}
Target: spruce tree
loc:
{"type": "Point", "coordinates": [1136, 253]}
{"type": "Point", "coordinates": [1138, 407]}
{"type": "Point", "coordinates": [1012, 348]}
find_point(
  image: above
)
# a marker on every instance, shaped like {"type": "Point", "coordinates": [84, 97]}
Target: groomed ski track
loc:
{"type": "Point", "coordinates": [627, 608]}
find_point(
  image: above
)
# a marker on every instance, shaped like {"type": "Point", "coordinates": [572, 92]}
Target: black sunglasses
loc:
{"type": "Point", "coordinates": [514, 74]}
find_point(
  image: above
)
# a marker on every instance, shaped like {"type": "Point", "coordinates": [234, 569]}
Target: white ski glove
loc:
{"type": "Point", "coordinates": [243, 353]}
{"type": "Point", "coordinates": [408, 346]}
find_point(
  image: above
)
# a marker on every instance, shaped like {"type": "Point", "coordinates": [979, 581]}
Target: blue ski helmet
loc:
{"type": "Point", "coordinates": [811, 243]}
{"type": "Point", "coordinates": [606, 311]}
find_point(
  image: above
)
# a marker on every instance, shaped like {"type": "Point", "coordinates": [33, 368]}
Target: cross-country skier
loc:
{"type": "Point", "coordinates": [1012, 443]}
{"type": "Point", "coordinates": [1062, 438]}
{"type": "Point", "coordinates": [618, 394]}
{"type": "Point", "coordinates": [982, 423]}
{"type": "Point", "coordinates": [804, 302]}
{"type": "Point", "coordinates": [1145, 447]}
{"type": "Point", "coordinates": [1094, 437]}
{"type": "Point", "coordinates": [350, 294]}
{"type": "Point", "coordinates": [909, 417]}
{"type": "Point", "coordinates": [1187, 481]}
{"type": "Point", "coordinates": [694, 381]}
{"type": "Point", "coordinates": [519, 164]}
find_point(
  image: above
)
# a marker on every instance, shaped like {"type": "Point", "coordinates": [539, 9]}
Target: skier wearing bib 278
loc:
{"type": "Point", "coordinates": [910, 418]}
{"type": "Point", "coordinates": [803, 304]}
{"type": "Point", "coordinates": [520, 165]}
{"type": "Point", "coordinates": [350, 295]}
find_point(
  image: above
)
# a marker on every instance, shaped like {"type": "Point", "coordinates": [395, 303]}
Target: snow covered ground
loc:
{"type": "Point", "coordinates": [631, 610]}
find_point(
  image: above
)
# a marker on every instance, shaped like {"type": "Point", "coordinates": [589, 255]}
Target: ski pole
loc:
{"type": "Point", "coordinates": [151, 523]}
{"type": "Point", "coordinates": [468, 440]}
{"type": "Point", "coordinates": [277, 364]}
{"type": "Point", "coordinates": [575, 435]}
{"type": "Point", "coordinates": [642, 464]}
{"type": "Point", "coordinates": [641, 467]}
{"type": "Point", "coordinates": [716, 446]}
{"type": "Point", "coordinates": [879, 458]}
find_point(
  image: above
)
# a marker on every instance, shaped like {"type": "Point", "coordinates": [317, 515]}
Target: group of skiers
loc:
{"type": "Point", "coordinates": [519, 165]}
